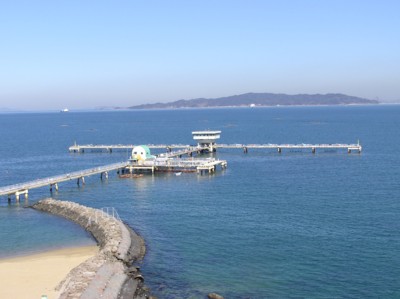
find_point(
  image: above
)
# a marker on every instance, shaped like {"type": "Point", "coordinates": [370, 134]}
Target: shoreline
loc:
{"type": "Point", "coordinates": [27, 253]}
{"type": "Point", "coordinates": [34, 275]}
{"type": "Point", "coordinates": [111, 272]}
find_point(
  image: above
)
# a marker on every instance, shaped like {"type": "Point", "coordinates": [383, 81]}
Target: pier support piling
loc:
{"type": "Point", "coordinates": [81, 179]}
{"type": "Point", "coordinates": [55, 186]}
{"type": "Point", "coordinates": [18, 193]}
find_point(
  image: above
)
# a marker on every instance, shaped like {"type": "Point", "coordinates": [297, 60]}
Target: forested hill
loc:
{"type": "Point", "coordinates": [261, 99]}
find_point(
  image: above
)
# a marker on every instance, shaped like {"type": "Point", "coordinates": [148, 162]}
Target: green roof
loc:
{"type": "Point", "coordinates": [147, 150]}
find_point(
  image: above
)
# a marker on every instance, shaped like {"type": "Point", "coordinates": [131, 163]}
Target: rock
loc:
{"type": "Point", "coordinates": [215, 296]}
{"type": "Point", "coordinates": [132, 270]}
{"type": "Point", "coordinates": [110, 266]}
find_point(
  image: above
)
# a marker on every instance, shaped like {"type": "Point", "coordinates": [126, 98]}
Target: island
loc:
{"type": "Point", "coordinates": [262, 100]}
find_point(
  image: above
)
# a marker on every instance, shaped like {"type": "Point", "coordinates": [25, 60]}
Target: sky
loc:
{"type": "Point", "coordinates": [83, 54]}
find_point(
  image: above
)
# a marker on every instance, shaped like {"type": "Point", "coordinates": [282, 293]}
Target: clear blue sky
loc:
{"type": "Point", "coordinates": [82, 54]}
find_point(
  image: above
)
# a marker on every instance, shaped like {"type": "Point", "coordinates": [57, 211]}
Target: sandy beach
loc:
{"type": "Point", "coordinates": [30, 277]}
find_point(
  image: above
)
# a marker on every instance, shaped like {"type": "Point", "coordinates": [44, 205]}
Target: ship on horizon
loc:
{"type": "Point", "coordinates": [64, 110]}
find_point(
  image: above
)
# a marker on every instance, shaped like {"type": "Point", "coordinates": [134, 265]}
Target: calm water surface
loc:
{"type": "Point", "coordinates": [294, 225]}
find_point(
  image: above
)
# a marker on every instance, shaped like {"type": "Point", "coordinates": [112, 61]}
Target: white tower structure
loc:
{"type": "Point", "coordinates": [206, 138]}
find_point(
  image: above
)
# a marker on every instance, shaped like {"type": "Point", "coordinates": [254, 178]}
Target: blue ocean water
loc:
{"type": "Point", "coordinates": [290, 225]}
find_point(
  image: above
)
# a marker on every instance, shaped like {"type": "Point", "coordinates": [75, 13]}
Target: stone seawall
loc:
{"type": "Point", "coordinates": [109, 274]}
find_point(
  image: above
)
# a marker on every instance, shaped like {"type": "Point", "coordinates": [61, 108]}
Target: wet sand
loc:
{"type": "Point", "coordinates": [35, 275]}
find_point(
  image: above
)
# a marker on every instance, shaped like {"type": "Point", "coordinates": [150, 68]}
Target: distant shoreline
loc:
{"type": "Point", "coordinates": [262, 99]}
{"type": "Point", "coordinates": [248, 107]}
{"type": "Point", "coordinates": [187, 108]}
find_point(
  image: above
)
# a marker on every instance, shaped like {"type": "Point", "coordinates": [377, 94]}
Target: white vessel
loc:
{"type": "Point", "coordinates": [64, 110]}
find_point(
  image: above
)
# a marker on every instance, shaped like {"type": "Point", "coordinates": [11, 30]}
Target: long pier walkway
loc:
{"type": "Point", "coordinates": [76, 148]}
{"type": "Point", "coordinates": [187, 149]}
{"type": "Point", "coordinates": [278, 147]}
{"type": "Point", "coordinates": [53, 181]}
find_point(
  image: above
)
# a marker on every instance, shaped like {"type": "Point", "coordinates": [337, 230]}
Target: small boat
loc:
{"type": "Point", "coordinates": [178, 173]}
{"type": "Point", "coordinates": [64, 110]}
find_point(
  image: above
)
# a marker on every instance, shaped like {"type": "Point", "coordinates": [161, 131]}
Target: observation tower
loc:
{"type": "Point", "coordinates": [206, 138]}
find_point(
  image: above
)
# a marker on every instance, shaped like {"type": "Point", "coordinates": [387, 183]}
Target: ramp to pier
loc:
{"type": "Point", "coordinates": [23, 188]}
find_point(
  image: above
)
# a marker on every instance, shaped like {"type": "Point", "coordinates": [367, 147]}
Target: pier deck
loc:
{"type": "Point", "coordinates": [279, 147]}
{"type": "Point", "coordinates": [76, 148]}
{"type": "Point", "coordinates": [178, 165]}
{"type": "Point", "coordinates": [187, 149]}
{"type": "Point", "coordinates": [22, 188]}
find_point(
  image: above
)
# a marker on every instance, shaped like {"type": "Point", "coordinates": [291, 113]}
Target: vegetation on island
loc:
{"type": "Point", "coordinates": [261, 100]}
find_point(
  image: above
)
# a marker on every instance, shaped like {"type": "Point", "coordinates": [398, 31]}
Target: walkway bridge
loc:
{"type": "Point", "coordinates": [278, 147]}
{"type": "Point", "coordinates": [53, 181]}
{"type": "Point", "coordinates": [188, 149]}
{"type": "Point", "coordinates": [76, 148]}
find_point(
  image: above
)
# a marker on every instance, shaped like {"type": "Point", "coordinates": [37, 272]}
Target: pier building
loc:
{"type": "Point", "coordinates": [141, 160]}
{"type": "Point", "coordinates": [206, 139]}
{"type": "Point", "coordinates": [141, 153]}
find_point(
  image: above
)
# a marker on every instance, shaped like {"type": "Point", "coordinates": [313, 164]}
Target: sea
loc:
{"type": "Point", "coordinates": [289, 225]}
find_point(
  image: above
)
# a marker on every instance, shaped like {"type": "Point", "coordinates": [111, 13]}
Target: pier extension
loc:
{"type": "Point", "coordinates": [206, 141]}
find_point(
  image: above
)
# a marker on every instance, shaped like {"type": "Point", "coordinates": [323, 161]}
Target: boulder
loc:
{"type": "Point", "coordinates": [215, 296]}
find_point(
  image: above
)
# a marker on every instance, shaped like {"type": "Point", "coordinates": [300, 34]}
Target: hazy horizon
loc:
{"type": "Point", "coordinates": [83, 55]}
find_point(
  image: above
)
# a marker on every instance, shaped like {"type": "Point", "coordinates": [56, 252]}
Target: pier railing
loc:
{"type": "Point", "coordinates": [187, 149]}
{"type": "Point", "coordinates": [292, 146]}
{"type": "Point", "coordinates": [76, 148]}
{"type": "Point", "coordinates": [53, 180]}
{"type": "Point", "coordinates": [110, 212]}
{"type": "Point", "coordinates": [182, 163]}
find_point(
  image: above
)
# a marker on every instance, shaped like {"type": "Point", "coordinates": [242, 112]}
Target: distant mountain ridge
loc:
{"type": "Point", "coordinates": [261, 99]}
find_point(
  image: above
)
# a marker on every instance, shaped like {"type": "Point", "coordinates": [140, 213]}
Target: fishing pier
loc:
{"type": "Point", "coordinates": [178, 158]}
{"type": "Point", "coordinates": [207, 142]}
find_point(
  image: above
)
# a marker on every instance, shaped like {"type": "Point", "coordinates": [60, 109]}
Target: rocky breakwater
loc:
{"type": "Point", "coordinates": [111, 273]}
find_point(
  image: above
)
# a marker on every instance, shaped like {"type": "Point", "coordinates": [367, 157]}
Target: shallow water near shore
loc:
{"type": "Point", "coordinates": [271, 225]}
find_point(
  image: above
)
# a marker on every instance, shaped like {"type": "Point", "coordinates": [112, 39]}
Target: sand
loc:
{"type": "Point", "coordinates": [30, 277]}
